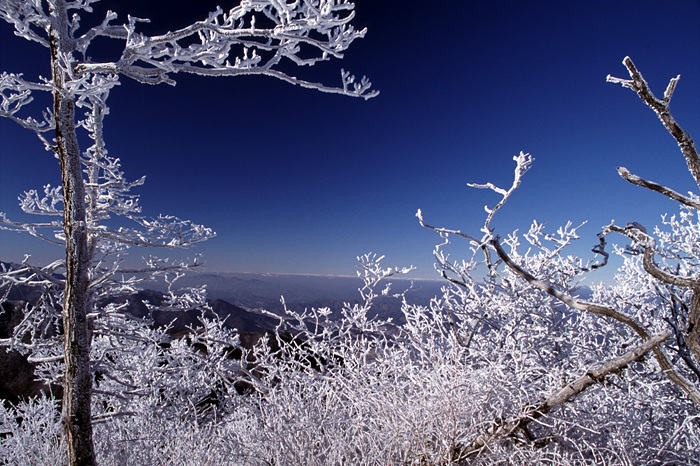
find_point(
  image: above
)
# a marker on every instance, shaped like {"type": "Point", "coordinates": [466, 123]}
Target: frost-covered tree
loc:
{"type": "Point", "coordinates": [361, 390]}
{"type": "Point", "coordinates": [677, 278]}
{"type": "Point", "coordinates": [254, 37]}
{"type": "Point", "coordinates": [507, 366]}
{"type": "Point", "coordinates": [527, 307]}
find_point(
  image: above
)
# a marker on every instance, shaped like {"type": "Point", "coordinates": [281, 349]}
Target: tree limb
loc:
{"type": "Point", "coordinates": [661, 108]}
{"type": "Point", "coordinates": [647, 244]}
{"type": "Point", "coordinates": [668, 192]}
{"type": "Point", "coordinates": [530, 413]}
{"type": "Point", "coordinates": [227, 44]}
{"type": "Point", "coordinates": [680, 381]}
{"type": "Point", "coordinates": [690, 152]}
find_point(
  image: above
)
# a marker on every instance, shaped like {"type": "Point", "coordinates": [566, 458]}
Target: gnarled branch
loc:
{"type": "Point", "coordinates": [661, 107]}
{"type": "Point", "coordinates": [680, 381]}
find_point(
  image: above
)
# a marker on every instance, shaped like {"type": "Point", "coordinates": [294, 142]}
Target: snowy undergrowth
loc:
{"type": "Point", "coordinates": [362, 391]}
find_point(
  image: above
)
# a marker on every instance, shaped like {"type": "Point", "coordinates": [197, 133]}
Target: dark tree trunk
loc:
{"type": "Point", "coordinates": [692, 337]}
{"type": "Point", "coordinates": [76, 416]}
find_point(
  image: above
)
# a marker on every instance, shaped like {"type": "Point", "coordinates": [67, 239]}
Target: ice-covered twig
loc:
{"type": "Point", "coordinates": [15, 94]}
{"type": "Point", "coordinates": [522, 165]}
{"type": "Point", "coordinates": [523, 162]}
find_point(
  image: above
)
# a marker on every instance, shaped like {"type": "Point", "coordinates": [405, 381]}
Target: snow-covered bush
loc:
{"type": "Point", "coordinates": [359, 390]}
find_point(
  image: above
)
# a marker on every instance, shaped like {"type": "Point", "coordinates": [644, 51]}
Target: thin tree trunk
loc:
{"type": "Point", "coordinates": [77, 389]}
{"type": "Point", "coordinates": [692, 337]}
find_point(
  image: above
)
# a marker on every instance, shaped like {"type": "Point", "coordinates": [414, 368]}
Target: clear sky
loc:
{"type": "Point", "coordinates": [296, 181]}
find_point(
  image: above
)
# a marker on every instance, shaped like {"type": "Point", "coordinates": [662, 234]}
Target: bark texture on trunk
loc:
{"type": "Point", "coordinates": [77, 392]}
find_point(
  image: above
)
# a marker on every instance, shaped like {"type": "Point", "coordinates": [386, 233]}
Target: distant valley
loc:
{"type": "Point", "coordinates": [234, 293]}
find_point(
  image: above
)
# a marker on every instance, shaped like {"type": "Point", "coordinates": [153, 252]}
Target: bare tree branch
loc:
{"type": "Point", "coordinates": [647, 243]}
{"type": "Point", "coordinates": [668, 192]}
{"type": "Point", "coordinates": [661, 107]}
{"type": "Point", "coordinates": [690, 152]}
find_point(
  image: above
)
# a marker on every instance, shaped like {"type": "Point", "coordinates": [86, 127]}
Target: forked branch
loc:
{"type": "Point", "coordinates": [523, 162]}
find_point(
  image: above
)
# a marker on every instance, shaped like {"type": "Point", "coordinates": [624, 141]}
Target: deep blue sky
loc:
{"type": "Point", "coordinates": [296, 181]}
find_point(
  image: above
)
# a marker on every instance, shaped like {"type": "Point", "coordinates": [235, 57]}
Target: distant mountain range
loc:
{"type": "Point", "coordinates": [246, 292]}
{"type": "Point", "coordinates": [235, 297]}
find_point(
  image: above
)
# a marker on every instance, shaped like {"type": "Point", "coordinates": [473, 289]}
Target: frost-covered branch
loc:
{"type": "Point", "coordinates": [678, 322]}
{"type": "Point", "coordinates": [668, 192]}
{"type": "Point", "coordinates": [648, 245]}
{"type": "Point", "coordinates": [535, 411]}
{"type": "Point", "coordinates": [372, 273]}
{"type": "Point", "coordinates": [251, 38]}
{"type": "Point", "coordinates": [554, 273]}
{"type": "Point", "coordinates": [444, 266]}
{"type": "Point", "coordinates": [691, 333]}
{"type": "Point", "coordinates": [605, 311]}
{"type": "Point", "coordinates": [686, 275]}
{"type": "Point", "coordinates": [523, 162]}
{"type": "Point", "coordinates": [661, 107]}
{"type": "Point", "coordinates": [29, 19]}
{"type": "Point", "coordinates": [16, 93]}
{"type": "Point", "coordinates": [565, 298]}
{"type": "Point", "coordinates": [28, 273]}
{"type": "Point", "coordinates": [522, 165]}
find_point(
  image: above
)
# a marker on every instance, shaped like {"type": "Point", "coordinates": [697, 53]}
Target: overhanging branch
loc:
{"type": "Point", "coordinates": [668, 192]}
{"type": "Point", "coordinates": [661, 107]}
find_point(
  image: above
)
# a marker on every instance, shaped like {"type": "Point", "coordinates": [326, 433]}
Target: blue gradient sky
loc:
{"type": "Point", "coordinates": [295, 181]}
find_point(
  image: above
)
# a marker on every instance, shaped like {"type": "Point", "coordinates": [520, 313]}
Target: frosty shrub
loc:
{"type": "Point", "coordinates": [517, 317]}
{"type": "Point", "coordinates": [548, 333]}
{"type": "Point", "coordinates": [360, 390]}
{"type": "Point", "coordinates": [30, 434]}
